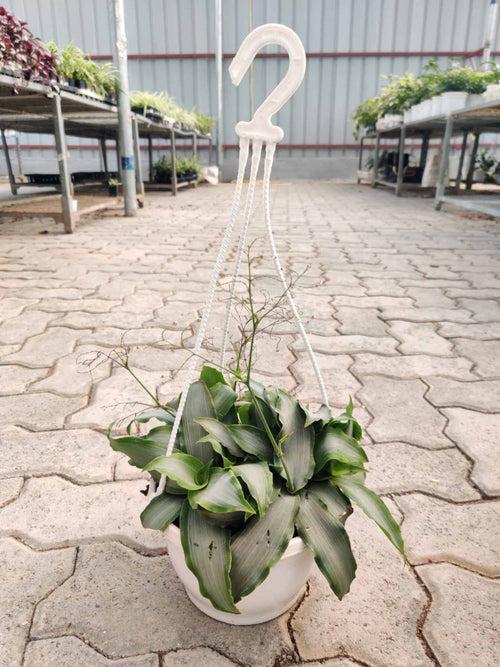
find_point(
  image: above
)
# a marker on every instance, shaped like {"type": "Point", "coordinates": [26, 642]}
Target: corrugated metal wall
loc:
{"type": "Point", "coordinates": [317, 122]}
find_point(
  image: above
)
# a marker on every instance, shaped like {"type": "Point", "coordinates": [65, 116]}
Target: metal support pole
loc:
{"type": "Point", "coordinates": [401, 160]}
{"type": "Point", "coordinates": [12, 179]}
{"type": "Point", "coordinates": [64, 176]}
{"type": "Point", "coordinates": [124, 115]}
{"type": "Point", "coordinates": [118, 160]}
{"type": "Point", "coordinates": [375, 160]}
{"type": "Point", "coordinates": [195, 145]}
{"type": "Point", "coordinates": [104, 157]}
{"type": "Point", "coordinates": [424, 150]}
{"type": "Point", "coordinates": [138, 164]}
{"type": "Point", "coordinates": [218, 64]}
{"type": "Point", "coordinates": [458, 179]}
{"type": "Point", "coordinates": [174, 162]}
{"type": "Point", "coordinates": [443, 166]}
{"type": "Point", "coordinates": [472, 163]}
{"type": "Point", "coordinates": [150, 159]}
{"type": "Point", "coordinates": [20, 174]}
{"type": "Point", "coordinates": [490, 33]}
{"type": "Point", "coordinates": [360, 159]}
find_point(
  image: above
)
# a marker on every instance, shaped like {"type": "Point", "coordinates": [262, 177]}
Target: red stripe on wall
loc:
{"type": "Point", "coordinates": [309, 54]}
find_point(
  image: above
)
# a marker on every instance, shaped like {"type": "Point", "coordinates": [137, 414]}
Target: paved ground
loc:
{"type": "Point", "coordinates": [404, 310]}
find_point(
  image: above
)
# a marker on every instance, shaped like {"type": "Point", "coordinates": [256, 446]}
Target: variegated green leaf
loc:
{"type": "Point", "coordinates": [252, 441]}
{"type": "Point", "coordinates": [161, 414]}
{"type": "Point", "coordinates": [211, 376]}
{"type": "Point", "coordinates": [260, 544]}
{"type": "Point", "coordinates": [327, 538]}
{"type": "Point", "coordinates": [259, 480]}
{"type": "Point", "coordinates": [222, 434]}
{"type": "Point", "coordinates": [208, 556]}
{"type": "Point", "coordinates": [189, 472]}
{"type": "Point", "coordinates": [323, 415]}
{"type": "Point", "coordinates": [334, 444]}
{"type": "Point", "coordinates": [160, 434]}
{"type": "Point", "coordinates": [140, 450]}
{"type": "Point", "coordinates": [335, 502]}
{"type": "Point", "coordinates": [298, 448]}
{"type": "Point", "coordinates": [373, 506]}
{"type": "Point", "coordinates": [222, 493]}
{"type": "Point", "coordinates": [161, 511]}
{"type": "Point", "coordinates": [198, 405]}
{"type": "Point", "coordinates": [223, 398]}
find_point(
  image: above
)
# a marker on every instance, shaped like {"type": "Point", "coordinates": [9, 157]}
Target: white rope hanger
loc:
{"type": "Point", "coordinates": [259, 131]}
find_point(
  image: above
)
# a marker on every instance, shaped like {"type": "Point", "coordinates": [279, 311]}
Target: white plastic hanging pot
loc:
{"type": "Point", "coordinates": [426, 108]}
{"type": "Point", "coordinates": [492, 92]}
{"type": "Point", "coordinates": [436, 105]}
{"type": "Point", "coordinates": [275, 595]}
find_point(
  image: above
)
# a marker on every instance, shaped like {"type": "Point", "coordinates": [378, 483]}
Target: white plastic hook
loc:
{"type": "Point", "coordinates": [260, 127]}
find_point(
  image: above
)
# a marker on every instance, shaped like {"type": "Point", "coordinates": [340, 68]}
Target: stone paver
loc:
{"type": "Point", "coordinates": [472, 602]}
{"type": "Point", "coordinates": [436, 530]}
{"type": "Point", "coordinates": [64, 651]}
{"type": "Point", "coordinates": [396, 467]}
{"type": "Point", "coordinates": [39, 515]}
{"type": "Point", "coordinates": [412, 366]}
{"type": "Point", "coordinates": [27, 576]}
{"type": "Point", "coordinates": [477, 434]}
{"type": "Point", "coordinates": [421, 338]}
{"type": "Point", "coordinates": [401, 412]}
{"type": "Point", "coordinates": [323, 626]}
{"type": "Point", "coordinates": [403, 304]}
{"type": "Point", "coordinates": [81, 455]}
{"type": "Point", "coordinates": [114, 590]}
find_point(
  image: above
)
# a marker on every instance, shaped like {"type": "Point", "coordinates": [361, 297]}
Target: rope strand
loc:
{"type": "Point", "coordinates": [256, 154]}
{"type": "Point", "coordinates": [216, 271]}
{"type": "Point", "coordinates": [268, 165]}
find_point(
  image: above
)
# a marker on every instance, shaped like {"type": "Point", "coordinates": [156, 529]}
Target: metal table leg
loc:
{"type": "Point", "coordinates": [150, 159]}
{"type": "Point", "coordinates": [401, 161]}
{"type": "Point", "coordinates": [104, 155]}
{"type": "Point", "coordinates": [66, 189]}
{"type": "Point", "coordinates": [375, 160]}
{"type": "Point", "coordinates": [138, 164]}
{"type": "Point", "coordinates": [174, 162]}
{"type": "Point", "coordinates": [443, 166]}
{"type": "Point", "coordinates": [360, 160]}
{"type": "Point", "coordinates": [12, 179]}
{"type": "Point", "coordinates": [472, 163]}
{"type": "Point", "coordinates": [458, 180]}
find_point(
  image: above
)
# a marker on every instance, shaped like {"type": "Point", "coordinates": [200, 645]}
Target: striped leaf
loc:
{"type": "Point", "coordinates": [335, 445]}
{"type": "Point", "coordinates": [298, 447]}
{"type": "Point", "coordinates": [140, 450]}
{"type": "Point", "coordinates": [259, 480]}
{"type": "Point", "coordinates": [373, 506]}
{"type": "Point", "coordinates": [334, 501]}
{"type": "Point", "coordinates": [189, 472]}
{"type": "Point", "coordinates": [161, 511]}
{"type": "Point", "coordinates": [221, 433]}
{"type": "Point", "coordinates": [260, 544]}
{"type": "Point", "coordinates": [223, 398]}
{"type": "Point", "coordinates": [198, 405]}
{"type": "Point", "coordinates": [327, 538]}
{"type": "Point", "coordinates": [222, 493]}
{"type": "Point", "coordinates": [208, 556]}
{"type": "Point", "coordinates": [252, 441]}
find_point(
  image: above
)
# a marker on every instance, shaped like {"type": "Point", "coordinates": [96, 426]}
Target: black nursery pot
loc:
{"type": "Point", "coordinates": [113, 190]}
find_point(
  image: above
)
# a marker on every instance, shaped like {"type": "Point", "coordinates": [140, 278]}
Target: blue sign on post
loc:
{"type": "Point", "coordinates": [127, 163]}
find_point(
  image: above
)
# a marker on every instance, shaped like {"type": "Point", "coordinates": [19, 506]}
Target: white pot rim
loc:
{"type": "Point", "coordinates": [295, 546]}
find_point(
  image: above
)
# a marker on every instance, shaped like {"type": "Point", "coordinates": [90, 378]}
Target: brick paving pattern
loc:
{"type": "Point", "coordinates": [403, 306]}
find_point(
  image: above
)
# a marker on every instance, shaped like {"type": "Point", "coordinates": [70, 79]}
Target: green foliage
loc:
{"type": "Point", "coordinates": [487, 164]}
{"type": "Point", "coordinates": [73, 64]}
{"type": "Point", "coordinates": [170, 110]}
{"type": "Point", "coordinates": [402, 92]}
{"type": "Point", "coordinates": [250, 489]}
{"type": "Point", "coordinates": [184, 166]}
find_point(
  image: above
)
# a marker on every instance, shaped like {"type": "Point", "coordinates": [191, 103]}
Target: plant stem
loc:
{"type": "Point", "coordinates": [149, 393]}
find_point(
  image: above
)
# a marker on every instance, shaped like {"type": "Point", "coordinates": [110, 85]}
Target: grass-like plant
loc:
{"type": "Point", "coordinates": [184, 167]}
{"type": "Point", "coordinates": [169, 109]}
{"type": "Point", "coordinates": [252, 467]}
{"type": "Point", "coordinates": [73, 65]}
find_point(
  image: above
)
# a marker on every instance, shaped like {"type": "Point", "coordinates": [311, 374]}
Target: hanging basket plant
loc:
{"type": "Point", "coordinates": [248, 483]}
